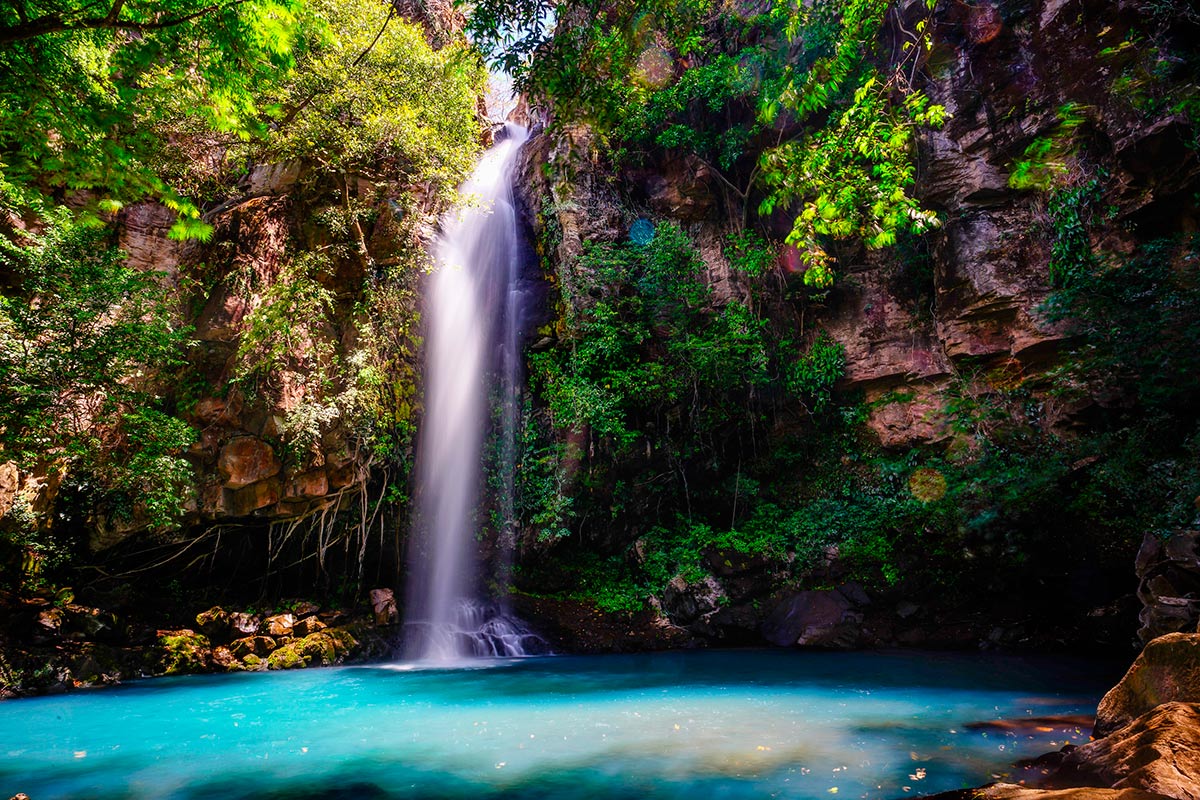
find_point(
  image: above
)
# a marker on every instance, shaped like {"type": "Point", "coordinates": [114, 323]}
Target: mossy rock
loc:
{"type": "Point", "coordinates": [95, 663]}
{"type": "Point", "coordinates": [344, 641]}
{"type": "Point", "coordinates": [286, 657]}
{"type": "Point", "coordinates": [315, 649]}
{"type": "Point", "coordinates": [253, 663]}
{"type": "Point", "coordinates": [183, 651]}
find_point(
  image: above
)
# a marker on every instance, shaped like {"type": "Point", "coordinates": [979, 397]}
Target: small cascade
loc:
{"type": "Point", "coordinates": [476, 321]}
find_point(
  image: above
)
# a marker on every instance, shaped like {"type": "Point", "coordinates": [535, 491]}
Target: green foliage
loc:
{"type": "Point", "coordinates": [112, 79]}
{"type": "Point", "coordinates": [370, 95]}
{"type": "Point", "coordinates": [813, 375]}
{"type": "Point", "coordinates": [1045, 161]}
{"type": "Point", "coordinates": [650, 343]}
{"type": "Point", "coordinates": [798, 102]}
{"type": "Point", "coordinates": [1071, 254]}
{"type": "Point", "coordinates": [1139, 319]}
{"type": "Point", "coordinates": [749, 254]}
{"type": "Point", "coordinates": [542, 497]}
{"type": "Point", "coordinates": [86, 343]}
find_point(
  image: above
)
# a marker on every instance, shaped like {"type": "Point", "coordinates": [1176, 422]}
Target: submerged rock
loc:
{"type": "Point", "coordinates": [1011, 791]}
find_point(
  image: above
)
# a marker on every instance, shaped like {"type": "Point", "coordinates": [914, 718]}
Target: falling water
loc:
{"type": "Point", "coordinates": [475, 316]}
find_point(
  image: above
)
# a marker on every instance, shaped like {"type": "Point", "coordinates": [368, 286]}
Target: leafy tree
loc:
{"type": "Point", "coordinates": [88, 91]}
{"type": "Point", "coordinates": [85, 343]}
{"type": "Point", "coordinates": [798, 107]}
{"type": "Point", "coordinates": [371, 96]}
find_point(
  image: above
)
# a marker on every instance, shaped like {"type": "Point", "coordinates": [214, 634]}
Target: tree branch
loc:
{"type": "Point", "coordinates": [55, 23]}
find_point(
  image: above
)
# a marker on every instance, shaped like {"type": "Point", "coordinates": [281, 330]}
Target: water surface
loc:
{"type": "Point", "coordinates": [698, 725]}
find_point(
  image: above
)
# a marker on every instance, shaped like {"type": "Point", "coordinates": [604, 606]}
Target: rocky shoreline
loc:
{"type": "Point", "coordinates": [1146, 740]}
{"type": "Point", "coordinates": [54, 644]}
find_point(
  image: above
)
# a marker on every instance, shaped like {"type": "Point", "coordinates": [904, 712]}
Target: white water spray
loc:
{"type": "Point", "coordinates": [474, 320]}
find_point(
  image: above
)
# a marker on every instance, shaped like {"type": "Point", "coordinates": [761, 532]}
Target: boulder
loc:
{"type": "Point", "coordinates": [303, 608]}
{"type": "Point", "coordinates": [314, 483]}
{"type": "Point", "coordinates": [48, 625]}
{"type": "Point", "coordinates": [685, 603]}
{"type": "Point", "coordinates": [243, 624]}
{"type": "Point", "coordinates": [1168, 670]}
{"type": "Point", "coordinates": [183, 651]}
{"type": "Point", "coordinates": [308, 625]}
{"type": "Point", "coordinates": [1158, 752]}
{"type": "Point", "coordinates": [246, 460]}
{"type": "Point", "coordinates": [317, 649]}
{"type": "Point", "coordinates": [1168, 573]}
{"type": "Point", "coordinates": [278, 625]}
{"type": "Point", "coordinates": [84, 623]}
{"type": "Point", "coordinates": [240, 502]}
{"type": "Point", "coordinates": [216, 624]}
{"type": "Point", "coordinates": [258, 646]}
{"type": "Point", "coordinates": [383, 605]}
{"type": "Point", "coordinates": [223, 658]}
{"type": "Point", "coordinates": [817, 618]}
{"type": "Point", "coordinates": [1011, 791]}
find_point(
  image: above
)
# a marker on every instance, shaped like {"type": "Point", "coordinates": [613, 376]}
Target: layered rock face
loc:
{"type": "Point", "coordinates": [271, 445]}
{"type": "Point", "coordinates": [960, 314]}
{"type": "Point", "coordinates": [1005, 73]}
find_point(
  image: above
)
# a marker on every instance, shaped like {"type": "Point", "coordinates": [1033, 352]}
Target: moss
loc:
{"type": "Point", "coordinates": [315, 649]}
{"type": "Point", "coordinates": [344, 642]}
{"type": "Point", "coordinates": [285, 657]}
{"type": "Point", "coordinates": [183, 652]}
{"type": "Point", "coordinates": [254, 663]}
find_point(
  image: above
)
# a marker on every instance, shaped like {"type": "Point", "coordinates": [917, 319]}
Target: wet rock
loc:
{"type": "Point", "coordinates": [247, 460]}
{"type": "Point", "coordinates": [278, 625]}
{"type": "Point", "coordinates": [1158, 752]}
{"type": "Point", "coordinates": [1168, 670]}
{"type": "Point", "coordinates": [308, 625]}
{"type": "Point", "coordinates": [1061, 723]}
{"type": "Point", "coordinates": [316, 649]}
{"type": "Point", "coordinates": [216, 624]}
{"type": "Point", "coordinates": [383, 606]}
{"type": "Point", "coordinates": [345, 643]}
{"type": "Point", "coordinates": [285, 657]}
{"type": "Point", "coordinates": [684, 603]}
{"type": "Point", "coordinates": [1168, 573]}
{"type": "Point", "coordinates": [1011, 791]}
{"type": "Point", "coordinates": [84, 623]}
{"type": "Point", "coordinates": [817, 618]}
{"type": "Point", "coordinates": [183, 651]}
{"type": "Point", "coordinates": [243, 624]}
{"type": "Point", "coordinates": [223, 658]}
{"type": "Point", "coordinates": [258, 646]}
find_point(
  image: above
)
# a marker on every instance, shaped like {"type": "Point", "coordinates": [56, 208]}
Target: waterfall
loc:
{"type": "Point", "coordinates": [475, 322]}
